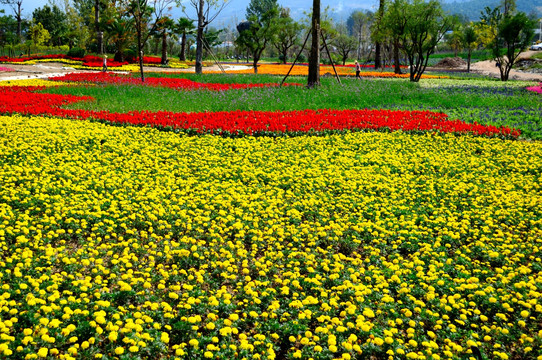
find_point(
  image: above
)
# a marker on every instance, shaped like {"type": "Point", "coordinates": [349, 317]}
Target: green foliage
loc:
{"type": "Point", "coordinates": [514, 35]}
{"type": "Point", "coordinates": [287, 34]}
{"type": "Point", "coordinates": [262, 16]}
{"type": "Point", "coordinates": [39, 35]}
{"type": "Point", "coordinates": [418, 26]}
{"type": "Point", "coordinates": [76, 52]}
{"type": "Point", "coordinates": [54, 21]}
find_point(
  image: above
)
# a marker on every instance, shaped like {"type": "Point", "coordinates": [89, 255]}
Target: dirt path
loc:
{"type": "Point", "coordinates": [489, 68]}
{"type": "Point", "coordinates": [45, 70]}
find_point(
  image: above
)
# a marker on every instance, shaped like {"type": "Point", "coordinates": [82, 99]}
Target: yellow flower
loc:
{"type": "Point", "coordinates": [119, 350]}
{"type": "Point", "coordinates": [43, 352]}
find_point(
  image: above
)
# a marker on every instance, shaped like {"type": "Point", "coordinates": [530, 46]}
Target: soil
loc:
{"type": "Point", "coordinates": [452, 63]}
{"type": "Point", "coordinates": [489, 68]}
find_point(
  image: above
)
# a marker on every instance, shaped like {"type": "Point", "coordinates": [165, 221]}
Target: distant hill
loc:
{"type": "Point", "coordinates": [471, 9]}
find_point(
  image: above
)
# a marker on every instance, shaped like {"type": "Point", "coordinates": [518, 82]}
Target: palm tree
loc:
{"type": "Point", "coordinates": [121, 34]}
{"type": "Point", "coordinates": [184, 27]}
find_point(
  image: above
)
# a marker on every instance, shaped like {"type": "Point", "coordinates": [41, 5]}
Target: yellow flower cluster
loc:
{"type": "Point", "coordinates": [174, 64]}
{"type": "Point", "coordinates": [135, 243]}
{"type": "Point", "coordinates": [34, 82]}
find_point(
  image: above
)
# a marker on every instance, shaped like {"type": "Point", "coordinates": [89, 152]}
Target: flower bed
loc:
{"type": "Point", "coordinates": [536, 89]}
{"type": "Point", "coordinates": [302, 70]}
{"type": "Point", "coordinates": [181, 84]}
{"type": "Point", "coordinates": [235, 123]}
{"type": "Point", "coordinates": [133, 243]}
{"type": "Point", "coordinates": [91, 62]}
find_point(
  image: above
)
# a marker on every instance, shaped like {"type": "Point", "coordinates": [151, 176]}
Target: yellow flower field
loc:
{"type": "Point", "coordinates": [131, 243]}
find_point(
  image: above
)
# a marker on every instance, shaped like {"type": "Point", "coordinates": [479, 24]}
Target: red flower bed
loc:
{"type": "Point", "coordinates": [184, 84]}
{"type": "Point", "coordinates": [22, 100]}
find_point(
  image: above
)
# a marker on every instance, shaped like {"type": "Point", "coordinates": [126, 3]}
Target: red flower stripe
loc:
{"type": "Point", "coordinates": [21, 100]}
{"type": "Point", "coordinates": [184, 84]}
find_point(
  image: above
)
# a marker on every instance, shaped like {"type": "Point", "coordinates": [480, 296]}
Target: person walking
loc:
{"type": "Point", "coordinates": [358, 69]}
{"type": "Point", "coordinates": [104, 69]}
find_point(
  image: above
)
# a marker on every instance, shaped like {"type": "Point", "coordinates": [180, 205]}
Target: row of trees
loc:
{"type": "Point", "coordinates": [399, 32]}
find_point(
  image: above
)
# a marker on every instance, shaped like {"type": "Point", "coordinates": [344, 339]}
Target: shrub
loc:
{"type": "Point", "coordinates": [76, 52]}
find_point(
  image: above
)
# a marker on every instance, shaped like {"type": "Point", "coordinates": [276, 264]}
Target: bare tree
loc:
{"type": "Point", "coordinates": [16, 6]}
{"type": "Point", "coordinates": [203, 9]}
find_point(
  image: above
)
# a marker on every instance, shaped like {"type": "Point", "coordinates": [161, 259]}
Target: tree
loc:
{"type": "Point", "coordinates": [359, 24]}
{"type": "Point", "coordinates": [514, 34]}
{"type": "Point", "coordinates": [120, 33]}
{"type": "Point", "coordinates": [344, 43]}
{"type": "Point", "coordinates": [8, 30]}
{"type": "Point", "coordinates": [203, 9]}
{"type": "Point", "coordinates": [77, 33]}
{"type": "Point", "coordinates": [391, 27]}
{"type": "Point", "coordinates": [184, 27]}
{"type": "Point", "coordinates": [469, 40]}
{"type": "Point", "coordinates": [39, 34]}
{"type": "Point", "coordinates": [165, 28]}
{"type": "Point", "coordinates": [54, 20]}
{"type": "Point", "coordinates": [16, 6]}
{"type": "Point", "coordinates": [263, 16]}
{"type": "Point", "coordinates": [287, 34]}
{"type": "Point", "coordinates": [313, 78]}
{"type": "Point", "coordinates": [147, 19]}
{"type": "Point", "coordinates": [422, 26]}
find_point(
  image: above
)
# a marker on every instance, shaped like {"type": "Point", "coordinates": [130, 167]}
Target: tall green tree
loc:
{"type": "Point", "coordinates": [470, 41]}
{"type": "Point", "coordinates": [8, 30]}
{"type": "Point", "coordinates": [344, 43]}
{"type": "Point", "coordinates": [54, 20]}
{"type": "Point", "coordinates": [263, 16]}
{"type": "Point", "coordinates": [287, 34]}
{"type": "Point", "coordinates": [359, 25]}
{"type": "Point", "coordinates": [17, 7]}
{"type": "Point", "coordinates": [514, 35]}
{"type": "Point", "coordinates": [421, 26]}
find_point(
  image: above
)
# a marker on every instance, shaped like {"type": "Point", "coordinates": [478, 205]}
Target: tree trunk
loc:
{"type": "Point", "coordinates": [99, 34]}
{"type": "Point", "coordinates": [314, 57]}
{"type": "Point", "coordinates": [182, 56]}
{"type": "Point", "coordinates": [468, 60]}
{"type": "Point", "coordinates": [164, 48]}
{"type": "Point", "coordinates": [199, 38]}
{"type": "Point", "coordinates": [378, 55]}
{"type": "Point", "coordinates": [19, 21]}
{"type": "Point", "coordinates": [255, 64]}
{"type": "Point", "coordinates": [378, 50]}
{"type": "Point", "coordinates": [396, 59]}
{"type": "Point", "coordinates": [140, 51]}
